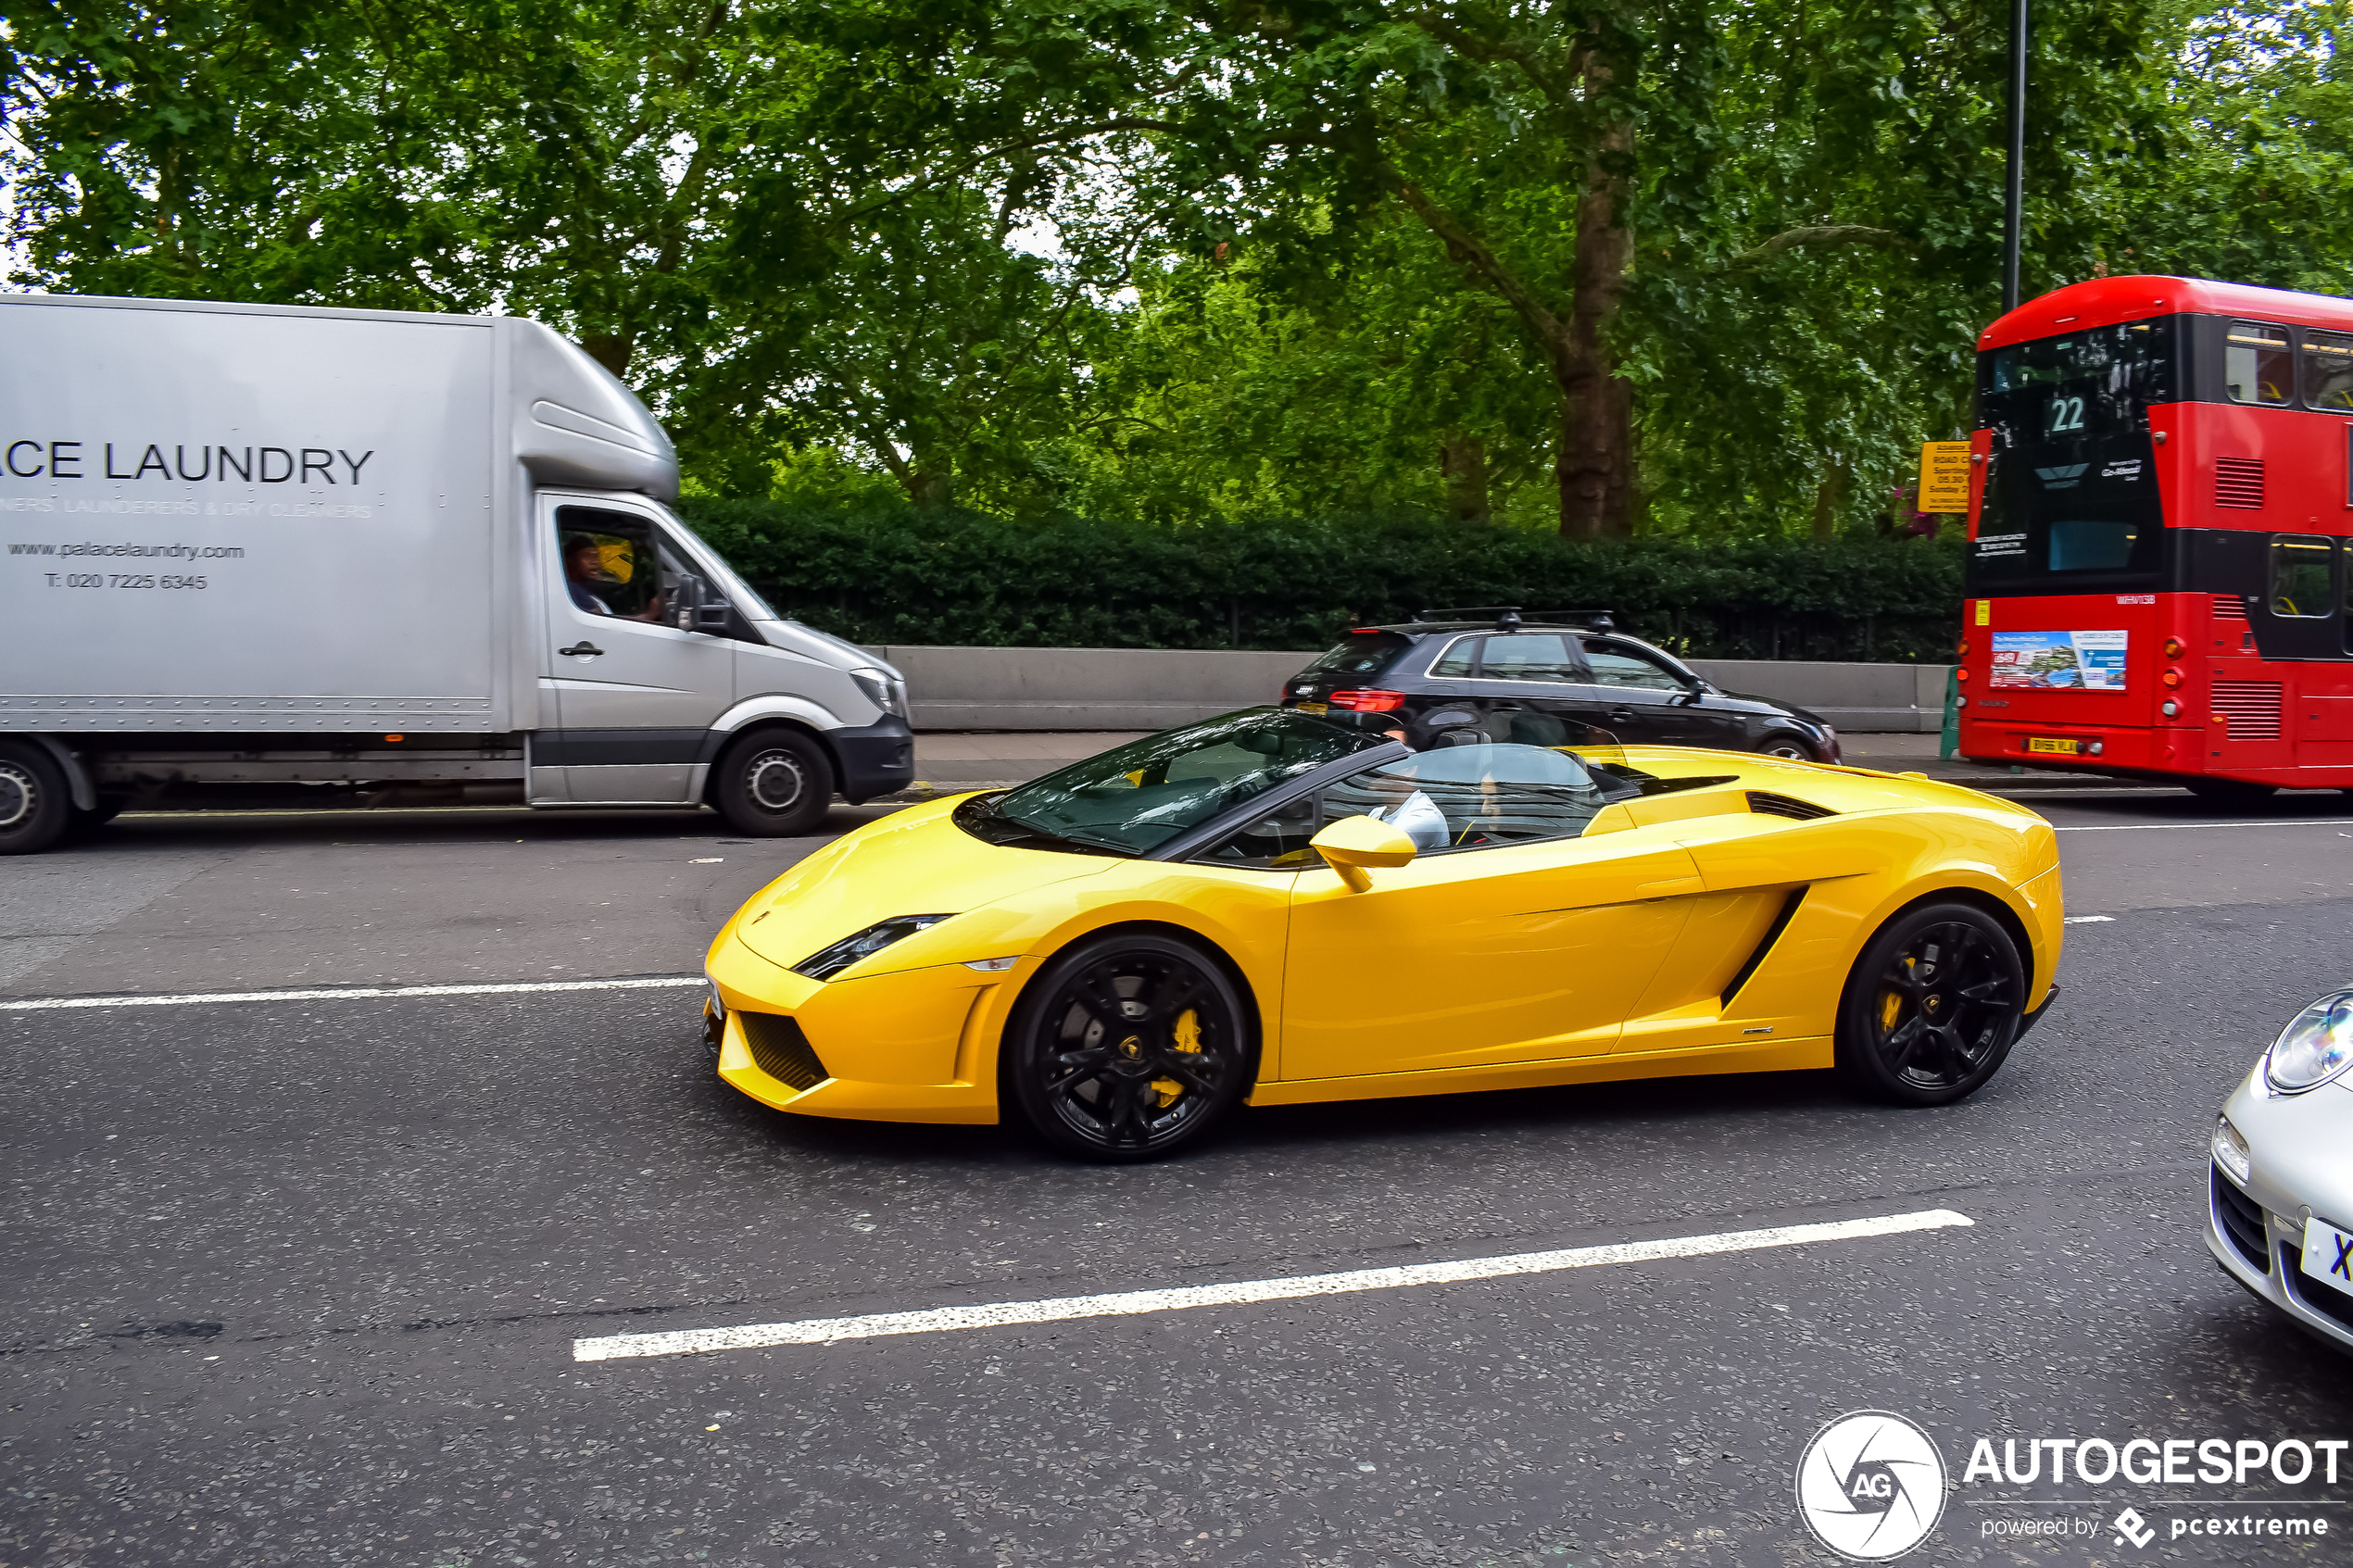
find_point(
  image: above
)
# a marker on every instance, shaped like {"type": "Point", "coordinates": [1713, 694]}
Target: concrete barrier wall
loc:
{"type": "Point", "coordinates": [1152, 688]}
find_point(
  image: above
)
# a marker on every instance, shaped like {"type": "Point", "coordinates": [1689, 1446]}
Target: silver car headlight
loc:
{"type": "Point", "coordinates": [2231, 1151]}
{"type": "Point", "coordinates": [2313, 1049]}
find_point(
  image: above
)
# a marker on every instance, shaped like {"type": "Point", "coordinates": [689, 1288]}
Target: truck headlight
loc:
{"type": "Point", "coordinates": [881, 690]}
{"type": "Point", "coordinates": [2314, 1049]}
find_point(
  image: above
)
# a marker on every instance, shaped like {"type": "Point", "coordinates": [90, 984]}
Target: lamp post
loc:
{"type": "Point", "coordinates": [2014, 203]}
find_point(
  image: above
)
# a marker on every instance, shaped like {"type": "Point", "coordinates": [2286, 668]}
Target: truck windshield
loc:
{"type": "Point", "coordinates": [2071, 488]}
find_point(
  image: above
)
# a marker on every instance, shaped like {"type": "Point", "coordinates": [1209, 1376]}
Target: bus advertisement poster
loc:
{"type": "Point", "coordinates": [2083, 661]}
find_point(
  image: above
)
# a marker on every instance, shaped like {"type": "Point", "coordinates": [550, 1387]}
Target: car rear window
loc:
{"type": "Point", "coordinates": [1365, 654]}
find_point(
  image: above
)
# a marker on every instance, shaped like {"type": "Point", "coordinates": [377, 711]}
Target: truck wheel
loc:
{"type": "Point", "coordinates": [34, 807]}
{"type": "Point", "coordinates": [774, 784]}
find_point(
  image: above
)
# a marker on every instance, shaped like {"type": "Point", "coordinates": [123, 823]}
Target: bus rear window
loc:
{"type": "Point", "coordinates": [1364, 655]}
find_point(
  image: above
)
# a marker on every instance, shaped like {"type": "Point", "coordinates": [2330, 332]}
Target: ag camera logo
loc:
{"type": "Point", "coordinates": [1870, 1485]}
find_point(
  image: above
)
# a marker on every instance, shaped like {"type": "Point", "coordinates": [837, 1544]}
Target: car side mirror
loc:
{"type": "Point", "coordinates": [1353, 843]}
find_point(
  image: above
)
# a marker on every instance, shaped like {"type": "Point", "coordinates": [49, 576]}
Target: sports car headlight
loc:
{"type": "Point", "coordinates": [828, 963]}
{"type": "Point", "coordinates": [2316, 1047]}
{"type": "Point", "coordinates": [2231, 1151]}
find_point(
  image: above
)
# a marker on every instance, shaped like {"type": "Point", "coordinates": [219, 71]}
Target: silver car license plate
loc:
{"type": "Point", "coordinates": [2328, 1255]}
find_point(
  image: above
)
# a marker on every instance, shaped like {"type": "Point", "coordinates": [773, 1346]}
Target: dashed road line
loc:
{"type": "Point", "coordinates": [340, 993]}
{"type": "Point", "coordinates": [1131, 1303]}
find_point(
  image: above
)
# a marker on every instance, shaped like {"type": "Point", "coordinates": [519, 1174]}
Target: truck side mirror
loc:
{"type": "Point", "coordinates": [714, 615]}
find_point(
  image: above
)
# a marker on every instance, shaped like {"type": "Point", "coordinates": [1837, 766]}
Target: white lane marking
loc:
{"type": "Point", "coordinates": [2146, 827]}
{"type": "Point", "coordinates": [198, 999]}
{"type": "Point", "coordinates": [1129, 1303]}
{"type": "Point", "coordinates": [2090, 920]}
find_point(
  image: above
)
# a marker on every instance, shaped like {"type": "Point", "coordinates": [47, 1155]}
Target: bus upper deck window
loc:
{"type": "Point", "coordinates": [2256, 366]}
{"type": "Point", "coordinates": [2328, 371]}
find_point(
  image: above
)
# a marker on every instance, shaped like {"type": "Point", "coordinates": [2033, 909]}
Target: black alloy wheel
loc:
{"type": "Point", "coordinates": [775, 784]}
{"type": "Point", "coordinates": [1932, 1007]}
{"type": "Point", "coordinates": [34, 807]}
{"type": "Point", "coordinates": [1128, 1047]}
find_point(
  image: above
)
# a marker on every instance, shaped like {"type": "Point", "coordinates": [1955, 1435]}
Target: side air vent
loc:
{"type": "Point", "coordinates": [2229, 607]}
{"type": "Point", "coordinates": [2239, 482]}
{"type": "Point", "coordinates": [2250, 710]}
{"type": "Point", "coordinates": [1772, 934]}
{"type": "Point", "coordinates": [781, 1050]}
{"type": "Point", "coordinates": [1766, 804]}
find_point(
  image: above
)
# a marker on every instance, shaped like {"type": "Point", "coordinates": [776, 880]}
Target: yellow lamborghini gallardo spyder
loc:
{"type": "Point", "coordinates": [1278, 908]}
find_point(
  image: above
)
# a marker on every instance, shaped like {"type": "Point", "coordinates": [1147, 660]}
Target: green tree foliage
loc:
{"type": "Point", "coordinates": [1694, 267]}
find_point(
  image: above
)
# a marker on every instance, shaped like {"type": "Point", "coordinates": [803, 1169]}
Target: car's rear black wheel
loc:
{"type": "Point", "coordinates": [1127, 1047]}
{"type": "Point", "coordinates": [1933, 1006]}
{"type": "Point", "coordinates": [775, 784]}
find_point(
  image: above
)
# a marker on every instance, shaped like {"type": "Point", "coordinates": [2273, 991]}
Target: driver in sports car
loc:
{"type": "Point", "coordinates": [1415, 814]}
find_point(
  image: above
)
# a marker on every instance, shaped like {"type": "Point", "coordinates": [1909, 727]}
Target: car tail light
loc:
{"type": "Point", "coordinates": [1369, 702]}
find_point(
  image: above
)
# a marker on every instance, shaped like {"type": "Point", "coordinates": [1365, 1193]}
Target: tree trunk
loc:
{"type": "Point", "coordinates": [1596, 469]}
{"type": "Point", "coordinates": [1462, 459]}
{"type": "Point", "coordinates": [611, 349]}
{"type": "Point", "coordinates": [927, 486]}
{"type": "Point", "coordinates": [1827, 496]}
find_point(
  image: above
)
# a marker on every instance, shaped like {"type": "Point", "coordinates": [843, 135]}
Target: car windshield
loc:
{"type": "Point", "coordinates": [1134, 798]}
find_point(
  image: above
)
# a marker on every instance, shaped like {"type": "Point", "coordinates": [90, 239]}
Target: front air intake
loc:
{"type": "Point", "coordinates": [2239, 482]}
{"type": "Point", "coordinates": [781, 1050]}
{"type": "Point", "coordinates": [1766, 804]}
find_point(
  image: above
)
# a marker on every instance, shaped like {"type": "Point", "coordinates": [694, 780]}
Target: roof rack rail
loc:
{"type": "Point", "coordinates": [1510, 617]}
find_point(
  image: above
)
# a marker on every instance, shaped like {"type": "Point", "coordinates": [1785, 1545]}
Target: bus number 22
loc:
{"type": "Point", "coordinates": [2067, 413]}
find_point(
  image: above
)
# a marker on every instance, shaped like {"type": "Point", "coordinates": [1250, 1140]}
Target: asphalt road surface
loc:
{"type": "Point", "coordinates": [298, 1281]}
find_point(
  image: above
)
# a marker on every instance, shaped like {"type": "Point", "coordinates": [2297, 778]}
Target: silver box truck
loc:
{"type": "Point", "coordinates": [259, 544]}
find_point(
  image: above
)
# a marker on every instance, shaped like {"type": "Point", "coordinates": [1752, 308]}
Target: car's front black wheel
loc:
{"type": "Point", "coordinates": [1127, 1047]}
{"type": "Point", "coordinates": [777, 783]}
{"type": "Point", "coordinates": [1933, 1006]}
{"type": "Point", "coordinates": [1783, 744]}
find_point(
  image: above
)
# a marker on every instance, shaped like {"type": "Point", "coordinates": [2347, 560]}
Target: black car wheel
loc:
{"type": "Point", "coordinates": [1932, 1007]}
{"type": "Point", "coordinates": [34, 808]}
{"type": "Point", "coordinates": [1786, 745]}
{"type": "Point", "coordinates": [1127, 1047]}
{"type": "Point", "coordinates": [777, 783]}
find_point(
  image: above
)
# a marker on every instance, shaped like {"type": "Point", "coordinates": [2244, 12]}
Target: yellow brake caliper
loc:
{"type": "Point", "coordinates": [1187, 1037]}
{"type": "Point", "coordinates": [1892, 1002]}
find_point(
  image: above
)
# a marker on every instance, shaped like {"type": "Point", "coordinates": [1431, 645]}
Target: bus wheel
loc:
{"type": "Point", "coordinates": [2232, 793]}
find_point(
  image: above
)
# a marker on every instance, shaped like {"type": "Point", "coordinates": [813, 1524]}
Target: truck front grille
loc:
{"type": "Point", "coordinates": [781, 1050]}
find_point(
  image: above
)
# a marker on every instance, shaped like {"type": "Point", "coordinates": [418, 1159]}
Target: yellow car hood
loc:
{"type": "Point", "coordinates": [914, 862]}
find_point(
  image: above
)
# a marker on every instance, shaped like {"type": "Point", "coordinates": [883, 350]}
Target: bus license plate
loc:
{"type": "Point", "coordinates": [2047, 743]}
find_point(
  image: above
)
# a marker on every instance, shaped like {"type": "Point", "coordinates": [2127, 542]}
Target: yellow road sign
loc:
{"type": "Point", "coordinates": [1945, 467]}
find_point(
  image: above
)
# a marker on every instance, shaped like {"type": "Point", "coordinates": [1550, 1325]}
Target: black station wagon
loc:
{"type": "Point", "coordinates": [1456, 677]}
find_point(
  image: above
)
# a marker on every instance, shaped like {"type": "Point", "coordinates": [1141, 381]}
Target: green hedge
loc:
{"type": "Point", "coordinates": [965, 580]}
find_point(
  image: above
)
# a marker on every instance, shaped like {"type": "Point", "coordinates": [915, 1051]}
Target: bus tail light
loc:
{"type": "Point", "coordinates": [2172, 678]}
{"type": "Point", "coordinates": [1369, 702]}
{"type": "Point", "coordinates": [2092, 749]}
{"type": "Point", "coordinates": [2173, 647]}
{"type": "Point", "coordinates": [1960, 674]}
{"type": "Point", "coordinates": [1964, 647]}
{"type": "Point", "coordinates": [2170, 708]}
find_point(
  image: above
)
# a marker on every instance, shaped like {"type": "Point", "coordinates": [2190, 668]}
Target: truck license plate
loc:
{"type": "Point", "coordinates": [2328, 1255]}
{"type": "Point", "coordinates": [2047, 742]}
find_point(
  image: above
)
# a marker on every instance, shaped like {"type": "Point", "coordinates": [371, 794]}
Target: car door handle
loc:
{"type": "Point", "coordinates": [582, 649]}
{"type": "Point", "coordinates": [1621, 715]}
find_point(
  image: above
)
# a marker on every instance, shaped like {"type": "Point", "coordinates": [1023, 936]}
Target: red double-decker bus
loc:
{"type": "Point", "coordinates": [2160, 553]}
